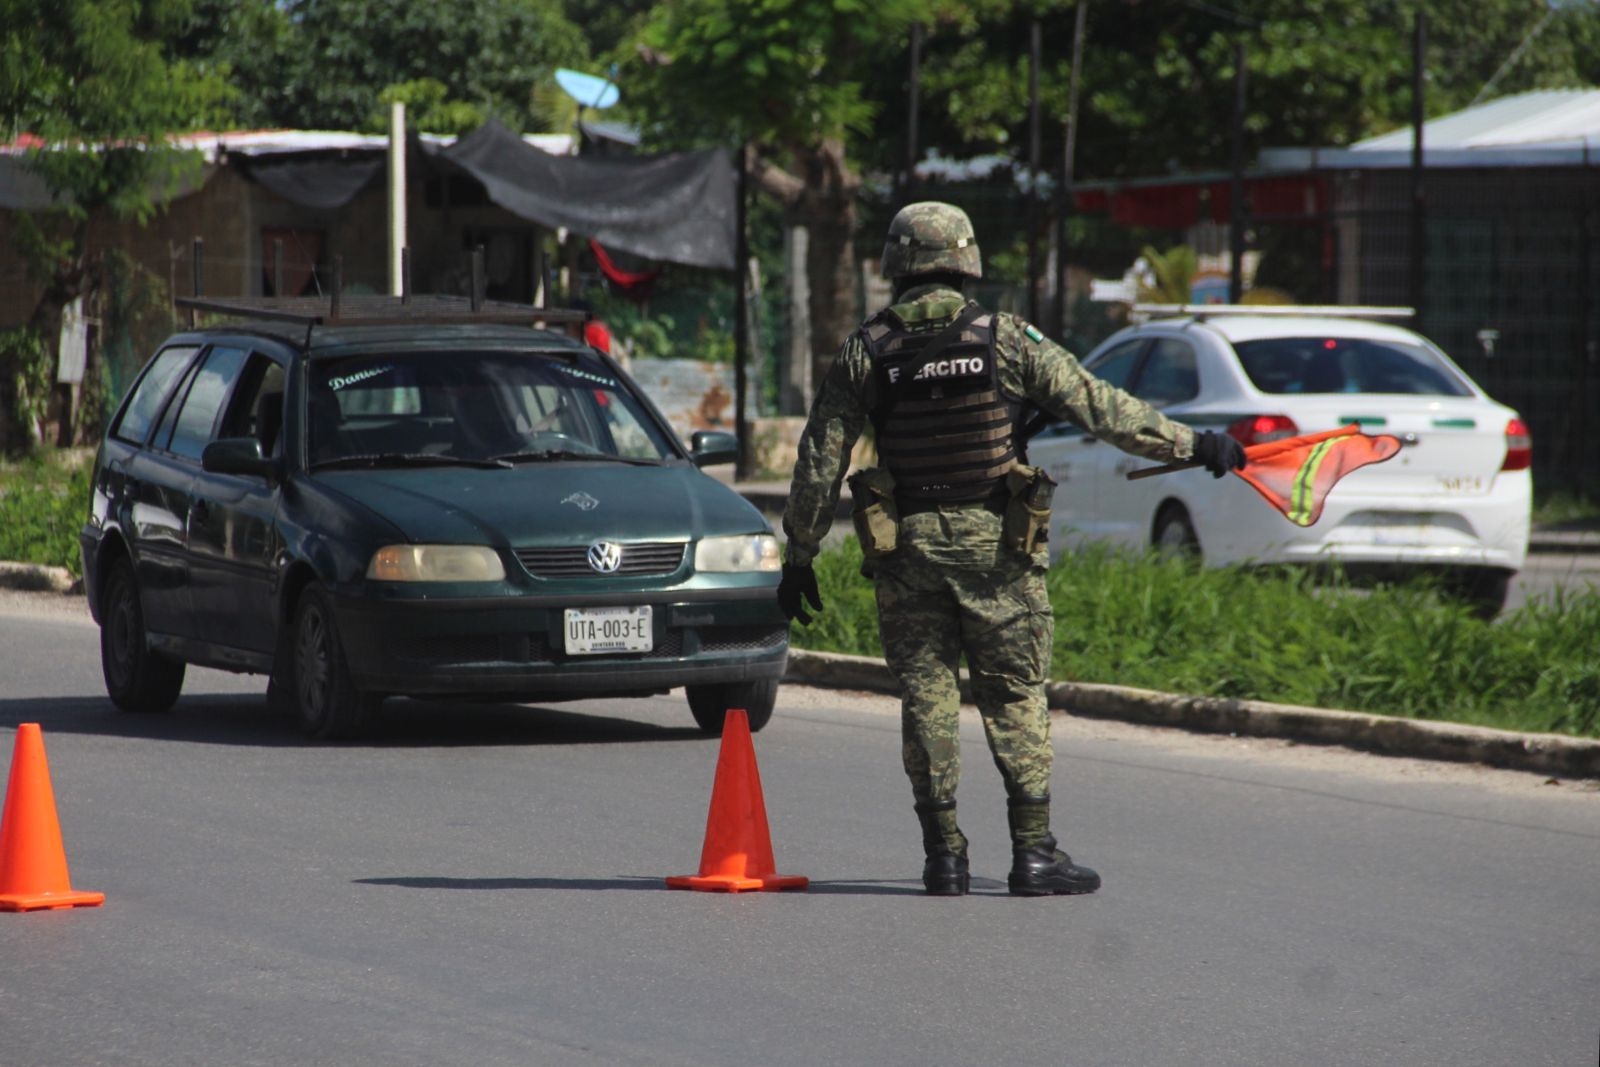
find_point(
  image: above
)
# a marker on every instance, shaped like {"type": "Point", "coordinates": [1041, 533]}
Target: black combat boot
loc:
{"type": "Point", "coordinates": [945, 872]}
{"type": "Point", "coordinates": [1038, 867]}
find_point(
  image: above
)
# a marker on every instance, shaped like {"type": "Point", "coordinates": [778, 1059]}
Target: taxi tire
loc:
{"type": "Point", "coordinates": [1483, 590]}
{"type": "Point", "coordinates": [709, 704]}
{"type": "Point", "coordinates": [1173, 534]}
{"type": "Point", "coordinates": [325, 699]}
{"type": "Point", "coordinates": [137, 679]}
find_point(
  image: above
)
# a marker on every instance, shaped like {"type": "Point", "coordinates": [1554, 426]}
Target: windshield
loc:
{"type": "Point", "coordinates": [432, 408]}
{"type": "Point", "coordinates": [1346, 365]}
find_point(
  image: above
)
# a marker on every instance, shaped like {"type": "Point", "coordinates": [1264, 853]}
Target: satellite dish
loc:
{"type": "Point", "coordinates": [587, 89]}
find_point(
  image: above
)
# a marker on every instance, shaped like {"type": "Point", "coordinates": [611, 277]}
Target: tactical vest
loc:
{"type": "Point", "coordinates": [945, 429]}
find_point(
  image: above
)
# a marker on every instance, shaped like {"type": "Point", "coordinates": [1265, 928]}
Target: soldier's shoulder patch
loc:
{"type": "Point", "coordinates": [1033, 333]}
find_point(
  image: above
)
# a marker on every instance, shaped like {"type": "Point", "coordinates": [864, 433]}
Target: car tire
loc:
{"type": "Point", "coordinates": [1484, 590]}
{"type": "Point", "coordinates": [137, 679]}
{"type": "Point", "coordinates": [1172, 534]}
{"type": "Point", "coordinates": [325, 699]}
{"type": "Point", "coordinates": [709, 704]}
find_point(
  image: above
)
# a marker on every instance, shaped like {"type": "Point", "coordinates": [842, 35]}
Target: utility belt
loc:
{"type": "Point", "coordinates": [1024, 503]}
{"type": "Point", "coordinates": [996, 503]}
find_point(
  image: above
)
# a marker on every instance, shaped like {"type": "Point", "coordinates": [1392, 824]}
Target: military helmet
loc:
{"type": "Point", "coordinates": [931, 236]}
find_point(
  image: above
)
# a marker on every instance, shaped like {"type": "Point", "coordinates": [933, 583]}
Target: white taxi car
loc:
{"type": "Point", "coordinates": [1455, 501]}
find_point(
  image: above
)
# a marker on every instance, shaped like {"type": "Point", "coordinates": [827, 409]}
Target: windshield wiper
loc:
{"type": "Point", "coordinates": [408, 459]}
{"type": "Point", "coordinates": [547, 455]}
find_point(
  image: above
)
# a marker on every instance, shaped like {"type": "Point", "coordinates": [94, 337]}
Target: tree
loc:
{"type": "Point", "coordinates": [1158, 77]}
{"type": "Point", "coordinates": [785, 78]}
{"type": "Point", "coordinates": [1157, 83]}
{"type": "Point", "coordinates": [90, 84]}
{"type": "Point", "coordinates": [332, 60]}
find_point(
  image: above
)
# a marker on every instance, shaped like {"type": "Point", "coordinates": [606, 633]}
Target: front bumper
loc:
{"type": "Point", "coordinates": [513, 648]}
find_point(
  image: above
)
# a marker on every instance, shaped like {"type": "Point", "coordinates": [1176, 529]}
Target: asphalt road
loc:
{"type": "Point", "coordinates": [1546, 572]}
{"type": "Point", "coordinates": [482, 885]}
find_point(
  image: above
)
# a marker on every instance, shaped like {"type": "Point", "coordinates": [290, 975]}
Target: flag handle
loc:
{"type": "Point", "coordinates": [1167, 468]}
{"type": "Point", "coordinates": [1252, 452]}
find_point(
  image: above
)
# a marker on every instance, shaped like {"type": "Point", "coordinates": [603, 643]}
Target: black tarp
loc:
{"type": "Point", "coordinates": [676, 208]}
{"type": "Point", "coordinates": [21, 189]}
{"type": "Point", "coordinates": [321, 182]}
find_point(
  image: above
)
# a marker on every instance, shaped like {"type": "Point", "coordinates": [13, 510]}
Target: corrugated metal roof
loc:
{"type": "Point", "coordinates": [1554, 118]}
{"type": "Point", "coordinates": [213, 143]}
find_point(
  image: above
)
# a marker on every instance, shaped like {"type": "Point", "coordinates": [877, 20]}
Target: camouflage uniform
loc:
{"type": "Point", "coordinates": [953, 586]}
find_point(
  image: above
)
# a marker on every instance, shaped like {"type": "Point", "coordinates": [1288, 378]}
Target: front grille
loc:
{"type": "Point", "coordinates": [741, 638]}
{"type": "Point", "coordinates": [572, 561]}
{"type": "Point", "coordinates": [461, 649]}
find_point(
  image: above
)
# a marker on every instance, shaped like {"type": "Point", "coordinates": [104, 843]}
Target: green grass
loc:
{"type": "Point", "coordinates": [43, 502]}
{"type": "Point", "coordinates": [1278, 636]}
{"type": "Point", "coordinates": [1564, 505]}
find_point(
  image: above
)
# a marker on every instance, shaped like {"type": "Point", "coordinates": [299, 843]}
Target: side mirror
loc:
{"type": "Point", "coordinates": [713, 446]}
{"type": "Point", "coordinates": [238, 455]}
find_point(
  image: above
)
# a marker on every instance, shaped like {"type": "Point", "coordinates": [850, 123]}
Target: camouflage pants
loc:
{"type": "Point", "coordinates": [953, 588]}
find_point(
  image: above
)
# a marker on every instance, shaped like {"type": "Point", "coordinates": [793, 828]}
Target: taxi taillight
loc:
{"type": "Point", "coordinates": [1519, 447]}
{"type": "Point", "coordinates": [1259, 429]}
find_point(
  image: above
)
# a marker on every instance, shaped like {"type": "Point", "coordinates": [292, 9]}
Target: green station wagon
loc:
{"type": "Point", "coordinates": [422, 496]}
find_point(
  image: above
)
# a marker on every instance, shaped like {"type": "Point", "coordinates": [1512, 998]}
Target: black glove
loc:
{"type": "Point", "coordinates": [798, 579]}
{"type": "Point", "coordinates": [1218, 452]}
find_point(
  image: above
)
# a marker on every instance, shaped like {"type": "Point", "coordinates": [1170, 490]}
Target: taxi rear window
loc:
{"type": "Point", "coordinates": [1310, 365]}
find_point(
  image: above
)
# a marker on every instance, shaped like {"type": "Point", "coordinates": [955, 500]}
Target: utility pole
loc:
{"type": "Point", "coordinates": [1419, 202]}
{"type": "Point", "coordinates": [1236, 190]}
{"type": "Point", "coordinates": [914, 94]}
{"type": "Point", "coordinates": [397, 197]}
{"type": "Point", "coordinates": [1059, 317]}
{"type": "Point", "coordinates": [741, 316]}
{"type": "Point", "coordinates": [1035, 47]}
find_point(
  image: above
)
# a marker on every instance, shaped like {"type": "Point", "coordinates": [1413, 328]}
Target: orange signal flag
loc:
{"type": "Point", "coordinates": [1295, 474]}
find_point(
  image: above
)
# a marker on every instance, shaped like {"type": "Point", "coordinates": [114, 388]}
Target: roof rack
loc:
{"type": "Point", "coordinates": [378, 310]}
{"type": "Point", "coordinates": [371, 309]}
{"type": "Point", "coordinates": [1331, 311]}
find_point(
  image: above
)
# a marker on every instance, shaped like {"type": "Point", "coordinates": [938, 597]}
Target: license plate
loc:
{"type": "Point", "coordinates": [592, 631]}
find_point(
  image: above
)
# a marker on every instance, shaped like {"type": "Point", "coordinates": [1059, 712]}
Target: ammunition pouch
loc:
{"type": "Point", "coordinates": [874, 512]}
{"type": "Point", "coordinates": [1027, 518]}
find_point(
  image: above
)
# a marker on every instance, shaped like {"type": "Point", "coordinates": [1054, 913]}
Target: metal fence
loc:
{"type": "Point", "coordinates": [1510, 285]}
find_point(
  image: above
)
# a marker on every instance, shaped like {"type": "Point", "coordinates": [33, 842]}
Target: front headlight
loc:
{"type": "Point", "coordinates": [746, 552]}
{"type": "Point", "coordinates": [436, 563]}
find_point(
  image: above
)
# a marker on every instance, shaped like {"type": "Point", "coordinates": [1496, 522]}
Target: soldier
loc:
{"type": "Point", "coordinates": [952, 528]}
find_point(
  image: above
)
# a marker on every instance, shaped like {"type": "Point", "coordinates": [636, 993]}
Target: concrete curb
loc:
{"type": "Point", "coordinates": [36, 578]}
{"type": "Point", "coordinates": [1554, 755]}
{"type": "Point", "coordinates": [1571, 542]}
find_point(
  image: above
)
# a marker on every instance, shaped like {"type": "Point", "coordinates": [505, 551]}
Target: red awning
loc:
{"type": "Point", "coordinates": [1180, 204]}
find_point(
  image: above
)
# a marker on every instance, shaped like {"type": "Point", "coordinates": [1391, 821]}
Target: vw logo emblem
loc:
{"type": "Point", "coordinates": [605, 556]}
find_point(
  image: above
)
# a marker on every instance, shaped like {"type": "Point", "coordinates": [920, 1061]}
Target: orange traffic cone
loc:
{"type": "Point", "coordinates": [33, 865]}
{"type": "Point", "coordinates": [738, 849]}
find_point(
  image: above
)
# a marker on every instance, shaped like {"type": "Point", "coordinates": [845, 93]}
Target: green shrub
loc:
{"type": "Point", "coordinates": [43, 503]}
{"type": "Point", "coordinates": [1280, 636]}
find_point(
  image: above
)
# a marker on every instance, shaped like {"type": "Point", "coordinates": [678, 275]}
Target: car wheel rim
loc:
{"type": "Point", "coordinates": [312, 664]}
